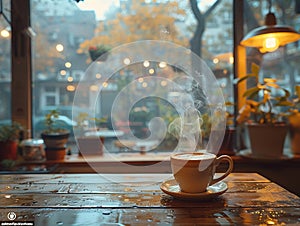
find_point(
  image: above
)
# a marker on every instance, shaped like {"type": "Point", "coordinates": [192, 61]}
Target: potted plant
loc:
{"type": "Point", "coordinates": [97, 51]}
{"type": "Point", "coordinates": [294, 122]}
{"type": "Point", "coordinates": [9, 140]}
{"type": "Point", "coordinates": [55, 137]}
{"type": "Point", "coordinates": [261, 113]}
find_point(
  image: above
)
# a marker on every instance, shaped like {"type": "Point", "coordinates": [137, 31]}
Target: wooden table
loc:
{"type": "Point", "coordinates": [136, 199]}
{"type": "Point", "coordinates": [280, 171]}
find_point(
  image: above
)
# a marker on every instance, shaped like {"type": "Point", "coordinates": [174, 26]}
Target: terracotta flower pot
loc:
{"type": "Point", "coordinates": [55, 140]}
{"type": "Point", "coordinates": [55, 145]}
{"type": "Point", "coordinates": [8, 150]}
{"type": "Point", "coordinates": [55, 154]}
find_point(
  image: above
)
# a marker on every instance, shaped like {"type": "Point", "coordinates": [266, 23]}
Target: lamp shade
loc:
{"type": "Point", "coordinates": [284, 35]}
{"type": "Point", "coordinates": [269, 37]}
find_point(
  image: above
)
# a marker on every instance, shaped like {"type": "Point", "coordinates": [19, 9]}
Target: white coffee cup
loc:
{"type": "Point", "coordinates": [194, 171]}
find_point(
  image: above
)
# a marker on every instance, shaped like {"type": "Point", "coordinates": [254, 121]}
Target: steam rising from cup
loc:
{"type": "Point", "coordinates": [194, 93]}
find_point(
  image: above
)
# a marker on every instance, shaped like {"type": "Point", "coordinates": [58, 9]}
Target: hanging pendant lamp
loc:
{"type": "Point", "coordinates": [269, 37]}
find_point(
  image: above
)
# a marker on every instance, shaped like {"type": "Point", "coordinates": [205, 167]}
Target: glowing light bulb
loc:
{"type": "Point", "coordinates": [151, 71]}
{"type": "Point", "coordinates": [68, 65]}
{"type": "Point", "coordinates": [216, 60]}
{"type": "Point", "coordinates": [146, 63]}
{"type": "Point", "coordinates": [104, 84]}
{"type": "Point", "coordinates": [5, 33]}
{"type": "Point", "coordinates": [162, 64]}
{"type": "Point", "coordinates": [63, 72]}
{"type": "Point", "coordinates": [270, 44]}
{"type": "Point", "coordinates": [70, 88]}
{"type": "Point", "coordinates": [126, 61]}
{"type": "Point", "coordinates": [59, 47]}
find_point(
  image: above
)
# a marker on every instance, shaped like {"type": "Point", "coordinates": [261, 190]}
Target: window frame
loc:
{"type": "Point", "coordinates": [21, 64]}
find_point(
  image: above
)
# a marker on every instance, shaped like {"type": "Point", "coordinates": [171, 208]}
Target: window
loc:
{"type": "Point", "coordinates": [66, 34]}
{"type": "Point", "coordinates": [77, 28]}
{"type": "Point", "coordinates": [5, 64]}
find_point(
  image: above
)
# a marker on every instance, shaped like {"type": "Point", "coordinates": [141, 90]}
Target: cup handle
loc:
{"type": "Point", "coordinates": [229, 170]}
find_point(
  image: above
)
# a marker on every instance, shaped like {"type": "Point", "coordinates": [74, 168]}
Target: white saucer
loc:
{"type": "Point", "coordinates": [171, 187]}
{"type": "Point", "coordinates": [248, 154]}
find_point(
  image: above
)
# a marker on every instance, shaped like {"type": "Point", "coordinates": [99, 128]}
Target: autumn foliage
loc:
{"type": "Point", "coordinates": [141, 21]}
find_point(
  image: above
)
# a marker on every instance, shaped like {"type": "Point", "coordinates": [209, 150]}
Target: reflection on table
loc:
{"type": "Point", "coordinates": [105, 133]}
{"type": "Point", "coordinates": [136, 199]}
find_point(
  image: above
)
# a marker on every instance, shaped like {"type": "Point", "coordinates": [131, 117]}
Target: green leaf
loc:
{"type": "Point", "coordinates": [274, 85]}
{"type": "Point", "coordinates": [255, 69]}
{"type": "Point", "coordinates": [287, 93]}
{"type": "Point", "coordinates": [284, 103]}
{"type": "Point", "coordinates": [266, 89]}
{"type": "Point", "coordinates": [270, 80]}
{"type": "Point", "coordinates": [251, 92]}
{"type": "Point", "coordinates": [239, 80]}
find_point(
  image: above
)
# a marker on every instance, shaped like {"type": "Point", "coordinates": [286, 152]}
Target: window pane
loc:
{"type": "Point", "coordinates": [282, 63]}
{"type": "Point", "coordinates": [5, 65]}
{"type": "Point", "coordinates": [68, 38]}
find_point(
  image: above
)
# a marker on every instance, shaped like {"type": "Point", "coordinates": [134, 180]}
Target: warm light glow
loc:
{"type": "Point", "coordinates": [188, 51]}
{"type": "Point", "coordinates": [68, 65]}
{"type": "Point", "coordinates": [216, 60]}
{"type": "Point", "coordinates": [70, 79]}
{"type": "Point", "coordinates": [297, 90]}
{"type": "Point", "coordinates": [270, 44]}
{"type": "Point", "coordinates": [59, 47]}
{"type": "Point", "coordinates": [126, 61]}
{"type": "Point", "coordinates": [151, 71]}
{"type": "Point", "coordinates": [5, 33]}
{"type": "Point", "coordinates": [145, 84]}
{"type": "Point", "coordinates": [146, 63]}
{"type": "Point", "coordinates": [231, 60]}
{"type": "Point", "coordinates": [270, 222]}
{"type": "Point", "coordinates": [63, 72]}
{"type": "Point", "coordinates": [163, 83]}
{"type": "Point", "coordinates": [162, 64]}
{"type": "Point", "coordinates": [104, 84]}
{"type": "Point", "coordinates": [140, 80]}
{"type": "Point", "coordinates": [269, 38]}
{"type": "Point", "coordinates": [70, 88]}
{"type": "Point", "coordinates": [94, 88]}
{"type": "Point", "coordinates": [98, 75]}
